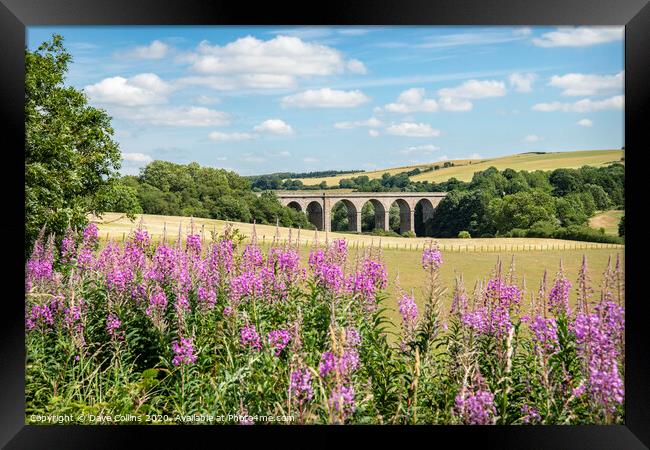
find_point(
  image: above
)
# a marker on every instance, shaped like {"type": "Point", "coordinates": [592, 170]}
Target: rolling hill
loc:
{"type": "Point", "coordinates": [464, 169]}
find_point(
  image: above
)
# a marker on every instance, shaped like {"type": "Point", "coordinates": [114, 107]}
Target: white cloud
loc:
{"type": "Point", "coordinates": [412, 129]}
{"type": "Point", "coordinates": [310, 160]}
{"type": "Point", "coordinates": [274, 126]}
{"type": "Point", "coordinates": [275, 63]}
{"type": "Point", "coordinates": [586, 84]}
{"type": "Point", "coordinates": [142, 89]}
{"type": "Point", "coordinates": [184, 116]}
{"type": "Point", "coordinates": [455, 104]}
{"type": "Point", "coordinates": [373, 122]}
{"type": "Point", "coordinates": [373, 133]}
{"type": "Point", "coordinates": [325, 98]}
{"type": "Point", "coordinates": [137, 157]}
{"type": "Point", "coordinates": [218, 136]}
{"type": "Point", "coordinates": [412, 100]}
{"type": "Point", "coordinates": [532, 138]}
{"type": "Point", "coordinates": [155, 50]}
{"type": "Point", "coordinates": [419, 149]}
{"type": "Point", "coordinates": [579, 37]}
{"type": "Point", "coordinates": [356, 66]}
{"type": "Point", "coordinates": [522, 82]}
{"type": "Point", "coordinates": [584, 105]}
{"type": "Point", "coordinates": [475, 89]}
{"type": "Point", "coordinates": [585, 123]}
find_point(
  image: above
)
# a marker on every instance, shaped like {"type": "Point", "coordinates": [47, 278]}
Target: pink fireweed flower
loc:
{"type": "Point", "coordinates": [286, 262]}
{"type": "Point", "coordinates": [248, 337]}
{"type": "Point", "coordinates": [598, 337]}
{"type": "Point", "coordinates": [579, 390]}
{"type": "Point", "coordinates": [157, 303]}
{"type": "Point", "coordinates": [493, 317]}
{"type": "Point", "coordinates": [530, 415]}
{"type": "Point", "coordinates": [193, 244]}
{"type": "Point", "coordinates": [327, 274]}
{"type": "Point", "coordinates": [119, 278]}
{"type": "Point", "coordinates": [85, 259]}
{"type": "Point", "coordinates": [90, 236]}
{"type": "Point", "coordinates": [352, 337]}
{"type": "Point", "coordinates": [252, 258]}
{"type": "Point", "coordinates": [279, 339]}
{"type": "Point", "coordinates": [366, 282]}
{"type": "Point", "coordinates": [409, 311]}
{"type": "Point", "coordinates": [40, 265]}
{"type": "Point", "coordinates": [40, 317]}
{"type": "Point", "coordinates": [68, 247]}
{"type": "Point", "coordinates": [558, 298]}
{"type": "Point", "coordinates": [220, 259]}
{"type": "Point", "coordinates": [475, 407]}
{"type": "Point", "coordinates": [544, 333]}
{"type": "Point", "coordinates": [248, 284]}
{"type": "Point", "coordinates": [183, 352]}
{"type": "Point", "coordinates": [206, 297]}
{"type": "Point", "coordinates": [477, 320]}
{"type": "Point", "coordinates": [141, 238]}
{"type": "Point", "coordinates": [431, 259]}
{"type": "Point", "coordinates": [327, 364]}
{"type": "Point", "coordinates": [113, 324]}
{"type": "Point", "coordinates": [182, 304]}
{"type": "Point", "coordinates": [300, 388]}
{"type": "Point", "coordinates": [348, 362]}
{"type": "Point", "coordinates": [164, 262]}
{"type": "Point", "coordinates": [341, 401]}
{"type": "Point", "coordinates": [337, 252]}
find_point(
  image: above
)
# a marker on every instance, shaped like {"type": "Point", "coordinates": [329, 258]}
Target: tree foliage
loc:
{"type": "Point", "coordinates": [71, 160]}
{"type": "Point", "coordinates": [168, 188]}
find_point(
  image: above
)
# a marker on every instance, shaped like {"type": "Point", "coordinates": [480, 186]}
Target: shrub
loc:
{"type": "Point", "coordinates": [621, 227]}
{"type": "Point", "coordinates": [464, 235]}
{"type": "Point", "coordinates": [408, 234]}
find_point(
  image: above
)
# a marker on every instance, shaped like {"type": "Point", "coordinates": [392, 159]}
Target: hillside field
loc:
{"type": "Point", "coordinates": [464, 169]}
{"type": "Point", "coordinates": [608, 220]}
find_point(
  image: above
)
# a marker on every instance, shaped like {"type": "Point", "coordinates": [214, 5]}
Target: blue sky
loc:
{"type": "Point", "coordinates": [268, 99]}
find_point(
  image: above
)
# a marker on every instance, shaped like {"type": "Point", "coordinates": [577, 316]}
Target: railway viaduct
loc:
{"type": "Point", "coordinates": [318, 206]}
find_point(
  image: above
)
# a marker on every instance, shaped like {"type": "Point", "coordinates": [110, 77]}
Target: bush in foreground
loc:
{"type": "Point", "coordinates": [166, 333]}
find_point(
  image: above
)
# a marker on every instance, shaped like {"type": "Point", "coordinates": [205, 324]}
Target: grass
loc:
{"type": "Point", "coordinates": [608, 220]}
{"type": "Point", "coordinates": [464, 169]}
{"type": "Point", "coordinates": [474, 262]}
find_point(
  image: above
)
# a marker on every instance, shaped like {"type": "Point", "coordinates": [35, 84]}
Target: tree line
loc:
{"type": "Point", "coordinates": [172, 189]}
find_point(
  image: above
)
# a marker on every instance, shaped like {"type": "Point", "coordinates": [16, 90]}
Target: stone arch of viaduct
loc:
{"type": "Point", "coordinates": [318, 207]}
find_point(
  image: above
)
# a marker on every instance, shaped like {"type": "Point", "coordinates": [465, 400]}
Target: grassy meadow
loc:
{"type": "Point", "coordinates": [464, 169]}
{"type": "Point", "coordinates": [608, 220]}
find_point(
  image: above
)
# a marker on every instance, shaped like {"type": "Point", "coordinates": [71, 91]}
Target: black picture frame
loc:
{"type": "Point", "coordinates": [16, 15]}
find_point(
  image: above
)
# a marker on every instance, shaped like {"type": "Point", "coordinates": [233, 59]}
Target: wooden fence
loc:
{"type": "Point", "coordinates": [416, 246]}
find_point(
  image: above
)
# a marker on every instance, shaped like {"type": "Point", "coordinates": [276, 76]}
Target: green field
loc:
{"type": "Point", "coordinates": [474, 262]}
{"type": "Point", "coordinates": [464, 169]}
{"type": "Point", "coordinates": [608, 220]}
